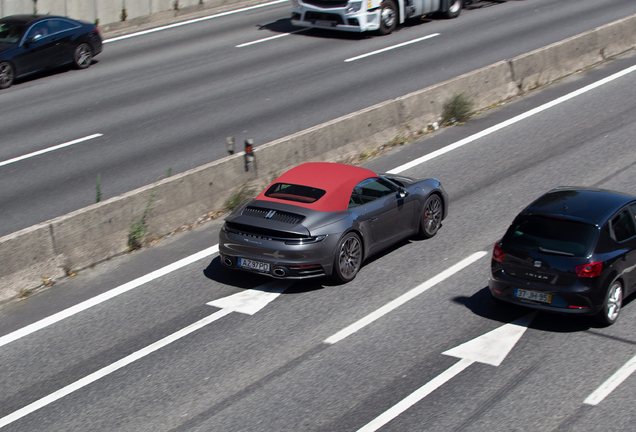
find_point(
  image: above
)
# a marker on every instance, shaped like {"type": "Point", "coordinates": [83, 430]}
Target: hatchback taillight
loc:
{"type": "Point", "coordinates": [497, 254]}
{"type": "Point", "coordinates": [589, 270]}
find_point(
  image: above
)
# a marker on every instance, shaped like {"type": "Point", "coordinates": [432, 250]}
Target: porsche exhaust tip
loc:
{"type": "Point", "coordinates": [228, 261]}
{"type": "Point", "coordinates": [279, 271]}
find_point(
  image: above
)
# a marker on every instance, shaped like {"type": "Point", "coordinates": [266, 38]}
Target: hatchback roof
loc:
{"type": "Point", "coordinates": [584, 204]}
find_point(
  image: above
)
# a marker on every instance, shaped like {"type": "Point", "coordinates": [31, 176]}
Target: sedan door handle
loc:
{"type": "Point", "coordinates": [374, 219]}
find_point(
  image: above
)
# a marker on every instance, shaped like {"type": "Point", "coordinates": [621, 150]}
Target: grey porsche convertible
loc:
{"type": "Point", "coordinates": [324, 219]}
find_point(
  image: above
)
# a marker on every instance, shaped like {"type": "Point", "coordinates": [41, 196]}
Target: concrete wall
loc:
{"type": "Point", "coordinates": [90, 235]}
{"type": "Point", "coordinates": [109, 12]}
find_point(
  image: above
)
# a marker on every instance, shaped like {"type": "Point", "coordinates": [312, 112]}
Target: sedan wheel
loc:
{"type": "Point", "coordinates": [6, 75]}
{"type": "Point", "coordinates": [431, 217]}
{"type": "Point", "coordinates": [348, 258]}
{"type": "Point", "coordinates": [83, 56]}
{"type": "Point", "coordinates": [612, 306]}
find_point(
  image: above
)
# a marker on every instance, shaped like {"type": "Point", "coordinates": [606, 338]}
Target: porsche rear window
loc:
{"type": "Point", "coordinates": [551, 236]}
{"type": "Point", "coordinates": [292, 192]}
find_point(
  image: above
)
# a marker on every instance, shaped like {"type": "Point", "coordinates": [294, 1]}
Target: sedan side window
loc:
{"type": "Point", "coordinates": [623, 226]}
{"type": "Point", "coordinates": [39, 31]}
{"type": "Point", "coordinates": [56, 25]}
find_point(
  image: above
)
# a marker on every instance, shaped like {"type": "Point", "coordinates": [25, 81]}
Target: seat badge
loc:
{"type": "Point", "coordinates": [537, 263]}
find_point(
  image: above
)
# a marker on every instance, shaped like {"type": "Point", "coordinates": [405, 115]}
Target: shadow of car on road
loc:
{"type": "Point", "coordinates": [481, 303]}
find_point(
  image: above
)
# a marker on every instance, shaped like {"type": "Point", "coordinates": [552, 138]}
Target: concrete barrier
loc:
{"type": "Point", "coordinates": [109, 12]}
{"type": "Point", "coordinates": [99, 232]}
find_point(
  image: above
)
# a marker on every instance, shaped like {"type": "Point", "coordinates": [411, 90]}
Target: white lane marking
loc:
{"type": "Point", "coordinates": [511, 121]}
{"type": "Point", "coordinates": [416, 396]}
{"type": "Point", "coordinates": [192, 21]}
{"type": "Point", "coordinates": [479, 350]}
{"type": "Point", "coordinates": [111, 368]}
{"type": "Point", "coordinates": [347, 331]}
{"type": "Point", "coordinates": [269, 38]}
{"type": "Point", "coordinates": [612, 382]}
{"type": "Point", "coordinates": [50, 149]}
{"type": "Point", "coordinates": [247, 302]}
{"type": "Point", "coordinates": [106, 296]}
{"type": "Point", "coordinates": [391, 47]}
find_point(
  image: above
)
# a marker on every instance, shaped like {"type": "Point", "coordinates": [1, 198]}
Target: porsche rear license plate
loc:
{"type": "Point", "coordinates": [533, 295]}
{"type": "Point", "coordinates": [253, 265]}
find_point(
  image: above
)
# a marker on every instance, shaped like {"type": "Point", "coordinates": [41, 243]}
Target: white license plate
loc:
{"type": "Point", "coordinates": [533, 295]}
{"type": "Point", "coordinates": [253, 265]}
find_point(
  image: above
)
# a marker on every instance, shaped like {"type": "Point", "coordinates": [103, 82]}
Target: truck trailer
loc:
{"type": "Point", "coordinates": [381, 16]}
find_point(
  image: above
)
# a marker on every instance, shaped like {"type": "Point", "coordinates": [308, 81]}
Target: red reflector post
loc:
{"type": "Point", "coordinates": [497, 254]}
{"type": "Point", "coordinates": [589, 270]}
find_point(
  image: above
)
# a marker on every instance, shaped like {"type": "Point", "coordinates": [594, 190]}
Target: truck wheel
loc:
{"type": "Point", "coordinates": [454, 8]}
{"type": "Point", "coordinates": [388, 17]}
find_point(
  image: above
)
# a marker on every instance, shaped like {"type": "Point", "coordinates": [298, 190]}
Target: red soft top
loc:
{"type": "Point", "coordinates": [337, 180]}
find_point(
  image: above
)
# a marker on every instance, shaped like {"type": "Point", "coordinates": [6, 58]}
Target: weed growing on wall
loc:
{"type": "Point", "coordinates": [238, 197]}
{"type": "Point", "coordinates": [98, 189]}
{"type": "Point", "coordinates": [457, 110]}
{"type": "Point", "coordinates": [139, 228]}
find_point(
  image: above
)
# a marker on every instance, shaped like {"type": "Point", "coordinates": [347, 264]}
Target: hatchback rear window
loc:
{"type": "Point", "coordinates": [292, 192]}
{"type": "Point", "coordinates": [551, 236]}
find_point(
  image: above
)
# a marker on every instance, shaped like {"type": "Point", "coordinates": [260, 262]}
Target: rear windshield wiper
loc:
{"type": "Point", "coordinates": [555, 252]}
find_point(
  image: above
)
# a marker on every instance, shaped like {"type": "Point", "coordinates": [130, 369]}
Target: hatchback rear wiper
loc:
{"type": "Point", "coordinates": [555, 252]}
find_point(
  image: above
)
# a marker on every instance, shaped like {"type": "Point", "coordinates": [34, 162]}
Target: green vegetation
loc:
{"type": "Point", "coordinates": [98, 189]}
{"type": "Point", "coordinates": [457, 110]}
{"type": "Point", "coordinates": [139, 228]}
{"type": "Point", "coordinates": [240, 195]}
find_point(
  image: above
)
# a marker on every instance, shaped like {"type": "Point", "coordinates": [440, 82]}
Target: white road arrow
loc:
{"type": "Point", "coordinates": [247, 302]}
{"type": "Point", "coordinates": [490, 348]}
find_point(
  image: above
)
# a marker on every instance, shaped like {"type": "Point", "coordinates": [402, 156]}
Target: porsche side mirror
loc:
{"type": "Point", "coordinates": [403, 193]}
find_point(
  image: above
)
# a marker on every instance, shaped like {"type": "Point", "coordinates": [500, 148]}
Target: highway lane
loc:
{"type": "Point", "coordinates": [167, 100]}
{"type": "Point", "coordinates": [274, 371]}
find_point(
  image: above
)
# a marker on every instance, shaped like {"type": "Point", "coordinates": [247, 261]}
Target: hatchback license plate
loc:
{"type": "Point", "coordinates": [253, 265]}
{"type": "Point", "coordinates": [533, 295]}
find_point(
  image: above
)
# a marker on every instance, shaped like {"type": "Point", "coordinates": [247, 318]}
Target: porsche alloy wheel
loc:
{"type": "Point", "coordinates": [348, 258]}
{"type": "Point", "coordinates": [432, 216]}
{"type": "Point", "coordinates": [6, 75]}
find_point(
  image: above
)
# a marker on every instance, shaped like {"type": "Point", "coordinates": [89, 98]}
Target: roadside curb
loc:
{"type": "Point", "coordinates": [96, 233]}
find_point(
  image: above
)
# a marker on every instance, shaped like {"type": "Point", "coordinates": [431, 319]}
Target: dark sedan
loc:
{"type": "Point", "coordinates": [321, 219]}
{"type": "Point", "coordinates": [32, 43]}
{"type": "Point", "coordinates": [571, 251]}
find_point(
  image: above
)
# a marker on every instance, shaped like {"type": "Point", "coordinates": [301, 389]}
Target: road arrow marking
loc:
{"type": "Point", "coordinates": [490, 348]}
{"type": "Point", "coordinates": [493, 347]}
{"type": "Point", "coordinates": [249, 302]}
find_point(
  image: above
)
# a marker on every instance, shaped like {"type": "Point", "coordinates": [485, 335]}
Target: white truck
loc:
{"type": "Point", "coordinates": [367, 15]}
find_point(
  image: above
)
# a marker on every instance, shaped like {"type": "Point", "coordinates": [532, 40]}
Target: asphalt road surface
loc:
{"type": "Point", "coordinates": [166, 101]}
{"type": "Point", "coordinates": [155, 356]}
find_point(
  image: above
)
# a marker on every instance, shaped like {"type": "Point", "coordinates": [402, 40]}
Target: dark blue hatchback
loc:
{"type": "Point", "coordinates": [573, 250]}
